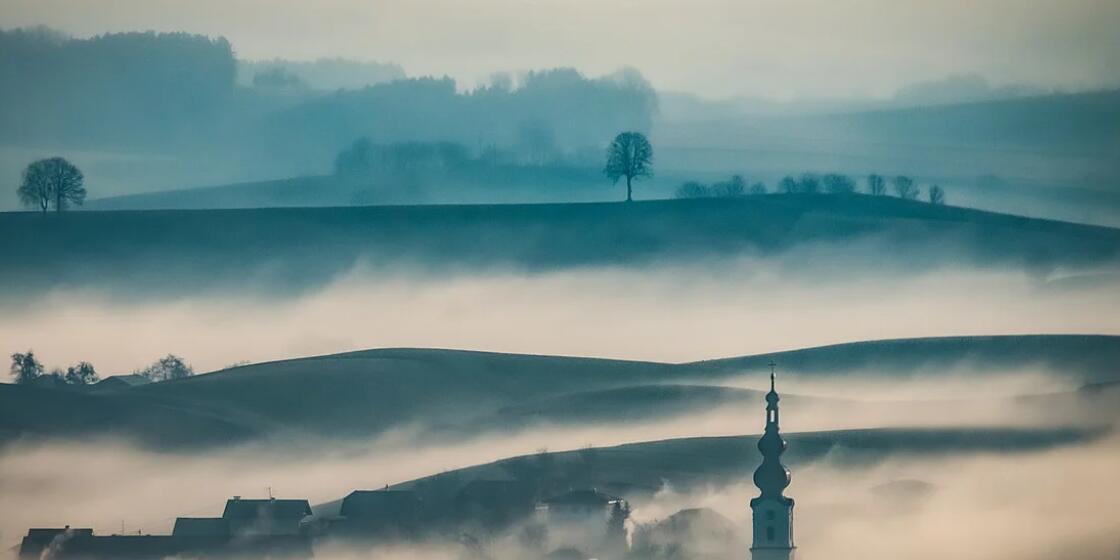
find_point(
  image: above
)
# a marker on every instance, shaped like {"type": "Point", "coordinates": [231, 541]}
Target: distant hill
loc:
{"type": "Point", "coordinates": [365, 393]}
{"type": "Point", "coordinates": [472, 182]}
{"type": "Point", "coordinates": [638, 470]}
{"type": "Point", "coordinates": [297, 248]}
{"type": "Point", "coordinates": [1044, 155]}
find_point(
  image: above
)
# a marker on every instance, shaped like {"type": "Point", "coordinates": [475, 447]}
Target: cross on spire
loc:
{"type": "Point", "coordinates": [772, 366]}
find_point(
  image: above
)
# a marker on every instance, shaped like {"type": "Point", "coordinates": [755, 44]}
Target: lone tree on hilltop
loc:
{"type": "Point", "coordinates": [936, 195]}
{"type": "Point", "coordinates": [631, 156]}
{"type": "Point", "coordinates": [905, 188]}
{"type": "Point", "coordinates": [52, 182]}
{"type": "Point", "coordinates": [876, 185]}
{"type": "Point", "coordinates": [81, 374]}
{"type": "Point", "coordinates": [25, 368]}
{"type": "Point", "coordinates": [167, 368]}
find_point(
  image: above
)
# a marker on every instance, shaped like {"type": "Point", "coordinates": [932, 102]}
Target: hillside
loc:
{"type": "Point", "coordinates": [450, 392]}
{"type": "Point", "coordinates": [638, 470]}
{"type": "Point", "coordinates": [466, 183]}
{"type": "Point", "coordinates": [297, 248]}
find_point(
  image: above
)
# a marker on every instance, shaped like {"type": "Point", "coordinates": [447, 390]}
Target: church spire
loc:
{"type": "Point", "coordinates": [772, 477]}
{"type": "Point", "coordinates": [772, 512]}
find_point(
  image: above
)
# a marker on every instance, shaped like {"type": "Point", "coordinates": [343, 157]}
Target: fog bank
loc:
{"type": "Point", "coordinates": [663, 313]}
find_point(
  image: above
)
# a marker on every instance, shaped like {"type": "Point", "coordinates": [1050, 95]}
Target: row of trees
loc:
{"type": "Point", "coordinates": [27, 369]}
{"type": "Point", "coordinates": [630, 157]}
{"type": "Point", "coordinates": [904, 187]}
{"type": "Point", "coordinates": [52, 183]}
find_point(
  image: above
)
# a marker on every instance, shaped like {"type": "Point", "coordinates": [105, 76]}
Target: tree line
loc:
{"type": "Point", "coordinates": [26, 369]}
{"type": "Point", "coordinates": [833, 183]}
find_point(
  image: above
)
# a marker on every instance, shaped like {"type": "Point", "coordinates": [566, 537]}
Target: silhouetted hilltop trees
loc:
{"type": "Point", "coordinates": [166, 368]}
{"type": "Point", "coordinates": [809, 183]}
{"type": "Point", "coordinates": [323, 74]}
{"type": "Point", "coordinates": [551, 111]}
{"type": "Point", "coordinates": [26, 369]}
{"type": "Point", "coordinates": [52, 182]}
{"type": "Point", "coordinates": [117, 88]}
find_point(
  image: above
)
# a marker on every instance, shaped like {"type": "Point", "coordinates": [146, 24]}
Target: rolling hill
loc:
{"type": "Point", "coordinates": [638, 470]}
{"type": "Point", "coordinates": [287, 249]}
{"type": "Point", "coordinates": [451, 393]}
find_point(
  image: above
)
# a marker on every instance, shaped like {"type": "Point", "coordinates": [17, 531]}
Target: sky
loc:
{"type": "Point", "coordinates": [777, 49]}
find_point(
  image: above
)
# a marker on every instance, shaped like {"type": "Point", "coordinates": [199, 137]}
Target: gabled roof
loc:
{"type": "Point", "coordinates": [132, 379]}
{"type": "Point", "coordinates": [40, 532]}
{"type": "Point", "coordinates": [200, 526]}
{"type": "Point", "coordinates": [271, 508]}
{"type": "Point", "coordinates": [379, 503]}
{"type": "Point", "coordinates": [582, 498]}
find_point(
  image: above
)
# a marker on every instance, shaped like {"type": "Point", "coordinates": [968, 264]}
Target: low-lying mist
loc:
{"type": "Point", "coordinates": [104, 483]}
{"type": "Point", "coordinates": [1060, 503]}
{"type": "Point", "coordinates": [670, 312]}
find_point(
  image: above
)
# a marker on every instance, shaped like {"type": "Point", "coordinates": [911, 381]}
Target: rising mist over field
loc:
{"type": "Point", "coordinates": [559, 280]}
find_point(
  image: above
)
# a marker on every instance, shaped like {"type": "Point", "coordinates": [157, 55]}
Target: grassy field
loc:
{"type": "Point", "coordinates": [297, 248]}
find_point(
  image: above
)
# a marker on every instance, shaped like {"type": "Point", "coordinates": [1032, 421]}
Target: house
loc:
{"type": "Point", "coordinates": [83, 544]}
{"type": "Point", "coordinates": [118, 382]}
{"type": "Point", "coordinates": [265, 517]}
{"type": "Point", "coordinates": [200, 527]}
{"type": "Point", "coordinates": [380, 513]}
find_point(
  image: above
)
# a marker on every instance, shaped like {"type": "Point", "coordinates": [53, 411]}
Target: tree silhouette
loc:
{"type": "Point", "coordinates": [81, 374]}
{"type": "Point", "coordinates": [167, 368]}
{"type": "Point", "coordinates": [905, 188]}
{"type": "Point", "coordinates": [936, 195]}
{"type": "Point", "coordinates": [758, 188]}
{"type": "Point", "coordinates": [52, 181]}
{"type": "Point", "coordinates": [25, 368]}
{"type": "Point", "coordinates": [809, 184]}
{"type": "Point", "coordinates": [631, 156]}
{"type": "Point", "coordinates": [876, 185]}
{"type": "Point", "coordinates": [788, 185]}
{"type": "Point", "coordinates": [838, 184]}
{"type": "Point", "coordinates": [693, 189]}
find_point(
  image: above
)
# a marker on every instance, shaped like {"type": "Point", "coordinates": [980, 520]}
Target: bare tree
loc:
{"type": "Point", "coordinates": [25, 368]}
{"type": "Point", "coordinates": [758, 188]}
{"type": "Point", "coordinates": [167, 368]}
{"type": "Point", "coordinates": [693, 189]}
{"type": "Point", "coordinates": [876, 185]}
{"type": "Point", "coordinates": [809, 184]}
{"type": "Point", "coordinates": [838, 184]}
{"type": "Point", "coordinates": [788, 185]}
{"type": "Point", "coordinates": [631, 156]}
{"type": "Point", "coordinates": [737, 186]}
{"type": "Point", "coordinates": [52, 181]}
{"type": "Point", "coordinates": [905, 188]}
{"type": "Point", "coordinates": [936, 195]}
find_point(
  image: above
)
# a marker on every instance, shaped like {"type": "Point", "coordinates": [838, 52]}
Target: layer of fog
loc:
{"type": "Point", "coordinates": [49, 483]}
{"type": "Point", "coordinates": [670, 313]}
{"type": "Point", "coordinates": [1060, 503]}
{"type": "Point", "coordinates": [106, 484]}
{"type": "Point", "coordinates": [887, 44]}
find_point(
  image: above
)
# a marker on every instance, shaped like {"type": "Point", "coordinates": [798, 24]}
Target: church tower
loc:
{"type": "Point", "coordinates": [771, 512]}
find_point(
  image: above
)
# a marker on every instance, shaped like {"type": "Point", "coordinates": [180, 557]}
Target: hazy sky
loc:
{"type": "Point", "coordinates": [776, 48]}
